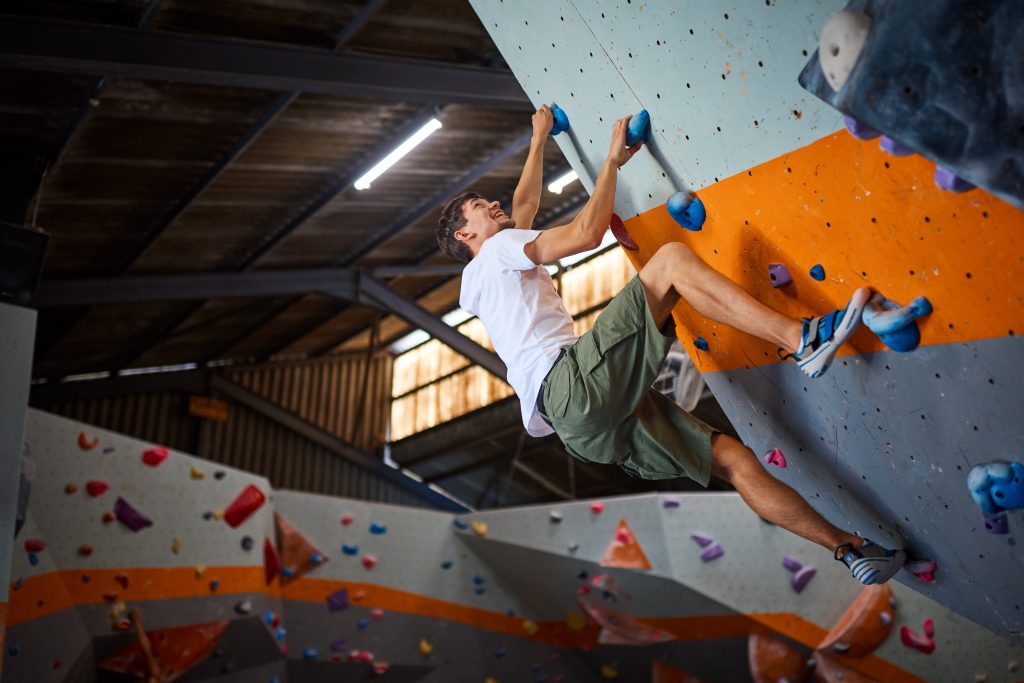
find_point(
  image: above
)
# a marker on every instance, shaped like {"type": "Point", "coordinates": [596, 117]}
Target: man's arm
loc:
{"type": "Point", "coordinates": [526, 199]}
{"type": "Point", "coordinates": [587, 229]}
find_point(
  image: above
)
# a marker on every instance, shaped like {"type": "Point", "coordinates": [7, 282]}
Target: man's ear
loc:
{"type": "Point", "coordinates": [462, 235]}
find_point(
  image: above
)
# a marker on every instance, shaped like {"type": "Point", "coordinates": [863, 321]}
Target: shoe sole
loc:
{"type": "Point", "coordinates": [867, 571]}
{"type": "Point", "coordinates": [851, 321]}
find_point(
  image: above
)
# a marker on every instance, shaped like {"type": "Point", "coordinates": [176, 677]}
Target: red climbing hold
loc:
{"type": "Point", "coordinates": [370, 561]}
{"type": "Point", "coordinates": [347, 519]}
{"type": "Point", "coordinates": [71, 489]}
{"type": "Point", "coordinates": [922, 643]}
{"type": "Point", "coordinates": [96, 488]}
{"type": "Point", "coordinates": [923, 570]}
{"type": "Point", "coordinates": [248, 501]}
{"type": "Point", "coordinates": [154, 456]}
{"type": "Point", "coordinates": [85, 444]}
{"type": "Point", "coordinates": [108, 517]}
{"type": "Point", "coordinates": [85, 550]}
{"type": "Point", "coordinates": [35, 545]}
{"type": "Point", "coordinates": [122, 579]}
{"type": "Point", "coordinates": [621, 234]}
{"type": "Point", "coordinates": [271, 562]}
{"type": "Point", "coordinates": [597, 507]}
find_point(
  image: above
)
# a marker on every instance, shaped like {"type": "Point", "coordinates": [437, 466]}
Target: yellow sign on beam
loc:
{"type": "Point", "coordinates": [208, 408]}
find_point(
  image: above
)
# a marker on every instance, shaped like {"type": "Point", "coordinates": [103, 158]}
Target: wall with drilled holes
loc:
{"type": "Point", "coordinates": [881, 444]}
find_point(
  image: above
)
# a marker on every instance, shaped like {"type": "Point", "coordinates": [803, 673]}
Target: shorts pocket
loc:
{"type": "Point", "coordinates": [557, 388]}
{"type": "Point", "coordinates": [592, 346]}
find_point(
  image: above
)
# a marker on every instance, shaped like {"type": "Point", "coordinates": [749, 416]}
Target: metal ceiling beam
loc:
{"type": "Point", "coordinates": [190, 381]}
{"type": "Point", "coordinates": [419, 270]}
{"type": "Point", "coordinates": [133, 53]}
{"type": "Point", "coordinates": [340, 282]}
{"type": "Point", "coordinates": [543, 481]}
{"type": "Point", "coordinates": [329, 441]}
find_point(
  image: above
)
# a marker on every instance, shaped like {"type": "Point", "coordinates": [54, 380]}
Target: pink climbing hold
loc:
{"type": "Point", "coordinates": [35, 545]}
{"type": "Point", "coordinates": [130, 517]}
{"type": "Point", "coordinates": [376, 613]}
{"type": "Point", "coordinates": [922, 643]}
{"type": "Point", "coordinates": [597, 507]}
{"type": "Point", "coordinates": [248, 501]}
{"type": "Point", "coordinates": [154, 456]}
{"type": "Point", "coordinates": [775, 457]}
{"type": "Point", "coordinates": [622, 536]}
{"type": "Point", "coordinates": [923, 570]}
{"type": "Point", "coordinates": [347, 519]}
{"type": "Point", "coordinates": [370, 561]}
{"type": "Point", "coordinates": [802, 577]}
{"type": "Point", "coordinates": [702, 539]}
{"type": "Point", "coordinates": [712, 552]}
{"type": "Point", "coordinates": [96, 488]}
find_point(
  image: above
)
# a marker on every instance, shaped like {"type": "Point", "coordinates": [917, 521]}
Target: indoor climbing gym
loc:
{"type": "Point", "coordinates": [512, 341]}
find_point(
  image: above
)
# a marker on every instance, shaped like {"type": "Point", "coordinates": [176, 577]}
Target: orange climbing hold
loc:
{"type": "Point", "coordinates": [297, 553]}
{"type": "Point", "coordinates": [248, 501]}
{"type": "Point", "coordinates": [624, 551]}
{"type": "Point", "coordinates": [864, 626]}
{"type": "Point", "coordinates": [663, 673]}
{"type": "Point", "coordinates": [828, 670]}
{"type": "Point", "coordinates": [773, 661]}
{"type": "Point", "coordinates": [176, 651]}
{"type": "Point", "coordinates": [85, 443]}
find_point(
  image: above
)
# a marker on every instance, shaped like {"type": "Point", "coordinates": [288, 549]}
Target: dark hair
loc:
{"type": "Point", "coordinates": [452, 220]}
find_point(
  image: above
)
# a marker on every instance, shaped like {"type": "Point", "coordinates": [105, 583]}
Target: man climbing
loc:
{"type": "Point", "coordinates": [595, 391]}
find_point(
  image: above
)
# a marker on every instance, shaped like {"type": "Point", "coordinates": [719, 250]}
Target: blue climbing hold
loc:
{"type": "Point", "coordinates": [362, 624]}
{"type": "Point", "coordinates": [268, 617]}
{"type": "Point", "coordinates": [478, 580]}
{"type": "Point", "coordinates": [14, 649]}
{"type": "Point", "coordinates": [310, 653]}
{"type": "Point", "coordinates": [818, 272]}
{"type": "Point", "coordinates": [317, 558]}
{"type": "Point", "coordinates": [287, 572]}
{"type": "Point", "coordinates": [33, 559]}
{"type": "Point", "coordinates": [350, 549]}
{"type": "Point", "coordinates": [639, 128]}
{"type": "Point", "coordinates": [214, 586]}
{"type": "Point", "coordinates": [687, 210]}
{"type": "Point", "coordinates": [561, 121]}
{"type": "Point", "coordinates": [894, 324]}
{"type": "Point", "coordinates": [280, 633]}
{"type": "Point", "coordinates": [480, 591]}
{"type": "Point", "coordinates": [378, 529]}
{"type": "Point", "coordinates": [510, 612]}
{"type": "Point", "coordinates": [274, 679]}
{"type": "Point", "coordinates": [701, 343]}
{"type": "Point", "coordinates": [247, 543]}
{"type": "Point", "coordinates": [460, 524]}
{"type": "Point", "coordinates": [499, 654]}
{"type": "Point", "coordinates": [997, 486]}
{"type": "Point", "coordinates": [447, 564]}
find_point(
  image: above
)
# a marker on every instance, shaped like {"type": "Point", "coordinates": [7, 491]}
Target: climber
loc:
{"type": "Point", "coordinates": [594, 391]}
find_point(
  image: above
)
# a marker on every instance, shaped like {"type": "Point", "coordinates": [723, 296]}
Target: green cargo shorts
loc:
{"type": "Point", "coordinates": [598, 397]}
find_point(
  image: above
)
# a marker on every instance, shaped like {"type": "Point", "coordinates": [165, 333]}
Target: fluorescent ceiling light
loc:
{"type": "Point", "coordinates": [391, 159]}
{"type": "Point", "coordinates": [558, 183]}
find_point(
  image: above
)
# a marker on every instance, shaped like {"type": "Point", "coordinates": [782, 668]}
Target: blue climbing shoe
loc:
{"type": "Point", "coordinates": [870, 563]}
{"type": "Point", "coordinates": [822, 337]}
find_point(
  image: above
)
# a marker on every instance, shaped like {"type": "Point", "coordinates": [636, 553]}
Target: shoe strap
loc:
{"type": "Point", "coordinates": [837, 556]}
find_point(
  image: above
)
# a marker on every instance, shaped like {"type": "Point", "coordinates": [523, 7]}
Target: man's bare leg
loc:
{"type": "Point", "coordinates": [675, 271]}
{"type": "Point", "coordinates": [771, 499]}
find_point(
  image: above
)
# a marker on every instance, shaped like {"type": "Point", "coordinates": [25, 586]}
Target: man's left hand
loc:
{"type": "Point", "coordinates": [542, 122]}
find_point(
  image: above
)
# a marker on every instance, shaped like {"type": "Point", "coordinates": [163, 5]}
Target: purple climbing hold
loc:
{"type": "Point", "coordinates": [338, 600]}
{"type": "Point", "coordinates": [897, 149]}
{"type": "Point", "coordinates": [802, 577]}
{"type": "Point", "coordinates": [701, 343]}
{"type": "Point", "coordinates": [885, 617]}
{"type": "Point", "coordinates": [702, 539]}
{"type": "Point", "coordinates": [130, 517]}
{"type": "Point", "coordinates": [791, 563]}
{"type": "Point", "coordinates": [997, 523]}
{"type": "Point", "coordinates": [859, 130]}
{"type": "Point", "coordinates": [338, 645]}
{"type": "Point", "coordinates": [950, 181]}
{"type": "Point", "coordinates": [818, 272]}
{"type": "Point", "coordinates": [712, 552]}
{"type": "Point", "coordinates": [670, 502]}
{"type": "Point", "coordinates": [779, 275]}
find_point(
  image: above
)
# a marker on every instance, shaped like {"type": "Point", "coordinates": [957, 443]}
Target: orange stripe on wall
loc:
{"type": "Point", "coordinates": [870, 219]}
{"type": "Point", "coordinates": [48, 593]}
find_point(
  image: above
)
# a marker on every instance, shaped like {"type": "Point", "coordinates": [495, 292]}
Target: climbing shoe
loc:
{"type": "Point", "coordinates": [822, 337]}
{"type": "Point", "coordinates": [870, 563]}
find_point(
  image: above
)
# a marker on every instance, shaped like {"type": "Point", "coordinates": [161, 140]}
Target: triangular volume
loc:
{"type": "Point", "coordinates": [624, 551]}
{"type": "Point", "coordinates": [176, 651]}
{"type": "Point", "coordinates": [663, 673]}
{"type": "Point", "coordinates": [298, 556]}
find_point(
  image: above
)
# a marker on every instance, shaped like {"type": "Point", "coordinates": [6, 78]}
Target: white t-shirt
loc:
{"type": "Point", "coordinates": [523, 314]}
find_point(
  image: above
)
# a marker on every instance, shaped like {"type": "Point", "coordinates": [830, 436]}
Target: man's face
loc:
{"type": "Point", "coordinates": [485, 218]}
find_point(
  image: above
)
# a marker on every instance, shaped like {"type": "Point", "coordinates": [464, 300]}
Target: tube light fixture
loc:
{"type": "Point", "coordinates": [391, 159]}
{"type": "Point", "coordinates": [560, 182]}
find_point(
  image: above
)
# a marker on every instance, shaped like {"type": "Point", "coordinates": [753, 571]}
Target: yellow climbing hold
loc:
{"type": "Point", "coordinates": [176, 545]}
{"type": "Point", "coordinates": [479, 528]}
{"type": "Point", "coordinates": [531, 627]}
{"type": "Point", "coordinates": [218, 514]}
{"type": "Point", "coordinates": [197, 473]}
{"type": "Point", "coordinates": [117, 611]}
{"type": "Point", "coordinates": [609, 671]}
{"type": "Point", "coordinates": [575, 621]}
{"type": "Point", "coordinates": [425, 647]}
{"type": "Point", "coordinates": [200, 571]}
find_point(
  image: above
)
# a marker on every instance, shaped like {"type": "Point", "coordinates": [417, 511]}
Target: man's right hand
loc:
{"type": "Point", "coordinates": [618, 153]}
{"type": "Point", "coordinates": [542, 122]}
